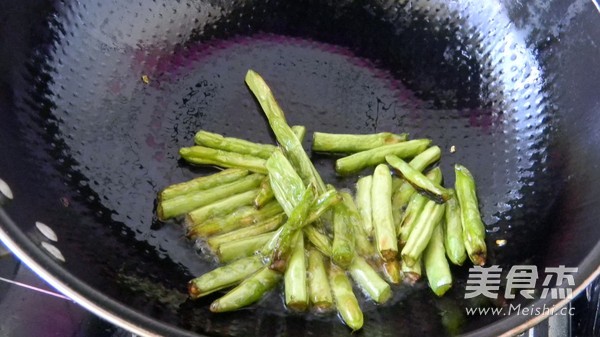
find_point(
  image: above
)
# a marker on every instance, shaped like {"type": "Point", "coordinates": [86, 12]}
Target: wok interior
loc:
{"type": "Point", "coordinates": [90, 144]}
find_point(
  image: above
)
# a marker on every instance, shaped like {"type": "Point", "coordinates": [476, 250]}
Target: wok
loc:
{"type": "Point", "coordinates": [85, 144]}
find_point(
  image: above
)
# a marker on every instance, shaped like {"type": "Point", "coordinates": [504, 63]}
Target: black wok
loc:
{"type": "Point", "coordinates": [85, 144]}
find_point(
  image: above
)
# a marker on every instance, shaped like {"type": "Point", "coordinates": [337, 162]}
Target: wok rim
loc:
{"type": "Point", "coordinates": [133, 321]}
{"type": "Point", "coordinates": [88, 297]}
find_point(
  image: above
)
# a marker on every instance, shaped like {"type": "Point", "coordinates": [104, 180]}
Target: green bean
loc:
{"type": "Point", "coordinates": [363, 202]}
{"type": "Point", "coordinates": [286, 183]}
{"type": "Point", "coordinates": [241, 217]}
{"type": "Point", "coordinates": [201, 155]}
{"type": "Point", "coordinates": [345, 300]}
{"type": "Point", "coordinates": [413, 273]}
{"type": "Point", "coordinates": [202, 183]}
{"type": "Point", "coordinates": [319, 240]}
{"type": "Point", "coordinates": [256, 229]}
{"type": "Point", "coordinates": [369, 281]}
{"type": "Point", "coordinates": [358, 161]}
{"type": "Point", "coordinates": [265, 195]}
{"type": "Point", "coordinates": [296, 291]}
{"type": "Point", "coordinates": [473, 227]}
{"type": "Point", "coordinates": [402, 194]}
{"type": "Point", "coordinates": [342, 248]}
{"type": "Point", "coordinates": [409, 218]}
{"type": "Point", "coordinates": [318, 284]}
{"type": "Point", "coordinates": [361, 241]}
{"type": "Point", "coordinates": [415, 205]}
{"type": "Point", "coordinates": [352, 143]}
{"type": "Point", "coordinates": [426, 158]}
{"type": "Point", "coordinates": [231, 251]}
{"type": "Point", "coordinates": [284, 240]}
{"type": "Point", "coordinates": [249, 291]}
{"type": "Point", "coordinates": [453, 232]}
{"type": "Point", "coordinates": [396, 183]}
{"type": "Point", "coordinates": [323, 203]}
{"type": "Point", "coordinates": [383, 222]}
{"type": "Point", "coordinates": [398, 205]}
{"type": "Point", "coordinates": [404, 190]}
{"type": "Point", "coordinates": [220, 207]}
{"type": "Point", "coordinates": [391, 271]}
{"type": "Point", "coordinates": [284, 134]}
{"type": "Point", "coordinates": [229, 144]}
{"type": "Point", "coordinates": [418, 179]}
{"type": "Point", "coordinates": [299, 131]}
{"type": "Point", "coordinates": [183, 204]}
{"type": "Point", "coordinates": [436, 265]}
{"type": "Point", "coordinates": [419, 237]}
{"type": "Point", "coordinates": [224, 277]}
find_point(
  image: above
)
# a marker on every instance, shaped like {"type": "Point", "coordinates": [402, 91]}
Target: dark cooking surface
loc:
{"type": "Point", "coordinates": [105, 142]}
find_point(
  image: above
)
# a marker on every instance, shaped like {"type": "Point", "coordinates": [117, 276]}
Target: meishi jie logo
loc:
{"type": "Point", "coordinates": [521, 280]}
{"type": "Point", "coordinates": [486, 281]}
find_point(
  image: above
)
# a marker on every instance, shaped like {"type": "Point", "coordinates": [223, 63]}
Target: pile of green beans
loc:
{"type": "Point", "coordinates": [269, 217]}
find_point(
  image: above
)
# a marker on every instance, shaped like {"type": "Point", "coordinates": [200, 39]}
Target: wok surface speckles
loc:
{"type": "Point", "coordinates": [5, 190]}
{"type": "Point", "coordinates": [104, 140]}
